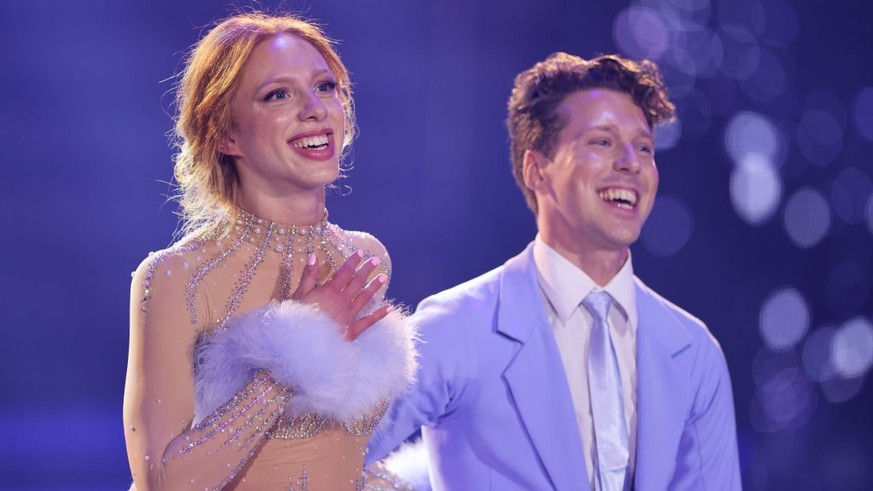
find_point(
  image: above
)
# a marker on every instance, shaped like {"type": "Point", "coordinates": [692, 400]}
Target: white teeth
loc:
{"type": "Point", "coordinates": [624, 198]}
{"type": "Point", "coordinates": [311, 141]}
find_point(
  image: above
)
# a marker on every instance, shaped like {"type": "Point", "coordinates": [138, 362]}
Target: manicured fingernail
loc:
{"type": "Point", "coordinates": [311, 260]}
{"type": "Point", "coordinates": [376, 261]}
{"type": "Point", "coordinates": [382, 278]}
{"type": "Point", "coordinates": [359, 253]}
{"type": "Point", "coordinates": [389, 308]}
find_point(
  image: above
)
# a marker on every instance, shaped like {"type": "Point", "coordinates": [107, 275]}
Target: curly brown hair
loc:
{"type": "Point", "coordinates": [534, 122]}
{"type": "Point", "coordinates": [207, 179]}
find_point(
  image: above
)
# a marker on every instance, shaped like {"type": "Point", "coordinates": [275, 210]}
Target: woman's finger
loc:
{"type": "Point", "coordinates": [341, 278]}
{"type": "Point", "coordinates": [365, 322]}
{"type": "Point", "coordinates": [364, 297]}
{"type": "Point", "coordinates": [359, 279]}
{"type": "Point", "coordinates": [308, 279]}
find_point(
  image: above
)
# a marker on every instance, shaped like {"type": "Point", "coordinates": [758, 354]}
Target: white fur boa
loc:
{"type": "Point", "coordinates": [302, 348]}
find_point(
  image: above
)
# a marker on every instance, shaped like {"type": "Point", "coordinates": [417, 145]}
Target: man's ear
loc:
{"type": "Point", "coordinates": [532, 169]}
{"type": "Point", "coordinates": [228, 145]}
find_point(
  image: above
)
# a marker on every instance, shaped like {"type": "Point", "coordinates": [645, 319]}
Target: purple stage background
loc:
{"type": "Point", "coordinates": [763, 228]}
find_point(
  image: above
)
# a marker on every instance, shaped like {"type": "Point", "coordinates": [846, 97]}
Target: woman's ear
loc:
{"type": "Point", "coordinates": [228, 145]}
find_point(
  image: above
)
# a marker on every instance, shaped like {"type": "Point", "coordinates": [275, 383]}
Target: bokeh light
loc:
{"type": "Point", "coordinates": [785, 401]}
{"type": "Point", "coordinates": [852, 348]}
{"type": "Point", "coordinates": [669, 226]}
{"type": "Point", "coordinates": [640, 32]}
{"type": "Point", "coordinates": [741, 52]}
{"type": "Point", "coordinates": [750, 133]}
{"type": "Point", "coordinates": [755, 189]}
{"type": "Point", "coordinates": [850, 193]}
{"type": "Point", "coordinates": [816, 354]}
{"type": "Point", "coordinates": [863, 113]}
{"type": "Point", "coordinates": [668, 134]}
{"type": "Point", "coordinates": [784, 318]}
{"type": "Point", "coordinates": [819, 136]}
{"type": "Point", "coordinates": [769, 80]}
{"type": "Point", "coordinates": [807, 217]}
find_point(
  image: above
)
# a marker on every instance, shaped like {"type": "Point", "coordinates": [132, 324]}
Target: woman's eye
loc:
{"type": "Point", "coordinates": [601, 142]}
{"type": "Point", "coordinates": [326, 86]}
{"type": "Point", "coordinates": [276, 95]}
{"type": "Point", "coordinates": [645, 148]}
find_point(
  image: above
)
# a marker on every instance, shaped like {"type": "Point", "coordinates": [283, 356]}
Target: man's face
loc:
{"type": "Point", "coordinates": [597, 190]}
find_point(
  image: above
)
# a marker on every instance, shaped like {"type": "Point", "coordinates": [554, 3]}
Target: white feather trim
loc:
{"type": "Point", "coordinates": [303, 348]}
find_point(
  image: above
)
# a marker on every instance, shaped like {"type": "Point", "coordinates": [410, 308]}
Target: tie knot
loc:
{"type": "Point", "coordinates": [598, 304]}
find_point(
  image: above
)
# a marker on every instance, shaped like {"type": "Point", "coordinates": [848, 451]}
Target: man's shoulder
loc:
{"type": "Point", "coordinates": [695, 327]}
{"type": "Point", "coordinates": [473, 297]}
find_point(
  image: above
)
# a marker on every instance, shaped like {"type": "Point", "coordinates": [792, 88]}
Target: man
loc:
{"type": "Point", "coordinates": [561, 370]}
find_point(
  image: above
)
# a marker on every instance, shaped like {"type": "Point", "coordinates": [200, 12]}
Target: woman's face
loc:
{"type": "Point", "coordinates": [288, 121]}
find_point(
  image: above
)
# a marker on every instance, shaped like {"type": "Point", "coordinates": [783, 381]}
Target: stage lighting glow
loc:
{"type": "Point", "coordinates": [741, 52]}
{"type": "Point", "coordinates": [750, 133]}
{"type": "Point", "coordinates": [852, 348]}
{"type": "Point", "coordinates": [807, 217]}
{"type": "Point", "coordinates": [786, 401]}
{"type": "Point", "coordinates": [668, 134]}
{"type": "Point", "coordinates": [784, 318]}
{"type": "Point", "coordinates": [819, 137]}
{"type": "Point", "coordinates": [840, 389]}
{"type": "Point", "coordinates": [641, 32]}
{"type": "Point", "coordinates": [863, 113]}
{"type": "Point", "coordinates": [755, 189]}
{"type": "Point", "coordinates": [669, 226]}
{"type": "Point", "coordinates": [769, 80]}
{"type": "Point", "coordinates": [850, 193]}
{"type": "Point", "coordinates": [817, 354]}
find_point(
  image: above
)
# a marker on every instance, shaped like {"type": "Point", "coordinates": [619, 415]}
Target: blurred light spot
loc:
{"type": "Point", "coordinates": [807, 217]}
{"type": "Point", "coordinates": [850, 193]}
{"type": "Point", "coordinates": [696, 51]}
{"type": "Point", "coordinates": [785, 401]}
{"type": "Point", "coordinates": [695, 113]}
{"type": "Point", "coordinates": [667, 135]}
{"type": "Point", "coordinates": [852, 348]}
{"type": "Point", "coordinates": [755, 189]}
{"type": "Point", "coordinates": [847, 287]}
{"type": "Point", "coordinates": [679, 84]}
{"type": "Point", "coordinates": [749, 14]}
{"type": "Point", "coordinates": [768, 81]}
{"type": "Point", "coordinates": [826, 101]}
{"type": "Point", "coordinates": [840, 389]}
{"type": "Point", "coordinates": [768, 363]}
{"type": "Point", "coordinates": [870, 214]}
{"type": "Point", "coordinates": [741, 52]}
{"type": "Point", "coordinates": [817, 354]}
{"type": "Point", "coordinates": [668, 228]}
{"type": "Point", "coordinates": [863, 111]}
{"type": "Point", "coordinates": [782, 23]}
{"type": "Point", "coordinates": [784, 319]}
{"type": "Point", "coordinates": [751, 133]}
{"type": "Point", "coordinates": [640, 32]}
{"type": "Point", "coordinates": [819, 137]}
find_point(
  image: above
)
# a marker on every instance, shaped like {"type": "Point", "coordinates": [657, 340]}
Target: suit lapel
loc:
{"type": "Point", "coordinates": [660, 391]}
{"type": "Point", "coordinates": [536, 378]}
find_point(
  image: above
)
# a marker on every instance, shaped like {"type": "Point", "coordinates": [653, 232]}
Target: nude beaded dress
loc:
{"type": "Point", "coordinates": [245, 389]}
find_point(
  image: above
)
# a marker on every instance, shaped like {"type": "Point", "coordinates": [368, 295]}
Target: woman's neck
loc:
{"type": "Point", "coordinates": [300, 209]}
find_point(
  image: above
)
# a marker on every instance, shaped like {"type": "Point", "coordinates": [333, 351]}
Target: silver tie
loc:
{"type": "Point", "coordinates": [604, 386]}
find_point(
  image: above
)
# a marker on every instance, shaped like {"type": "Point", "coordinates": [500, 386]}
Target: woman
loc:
{"type": "Point", "coordinates": [261, 354]}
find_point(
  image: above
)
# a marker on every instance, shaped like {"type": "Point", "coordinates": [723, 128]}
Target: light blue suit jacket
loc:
{"type": "Point", "coordinates": [494, 406]}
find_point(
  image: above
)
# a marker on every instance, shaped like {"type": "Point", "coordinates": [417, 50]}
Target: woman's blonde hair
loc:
{"type": "Point", "coordinates": [206, 178]}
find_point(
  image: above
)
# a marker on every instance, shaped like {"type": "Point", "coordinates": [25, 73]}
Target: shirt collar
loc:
{"type": "Point", "coordinates": [565, 285]}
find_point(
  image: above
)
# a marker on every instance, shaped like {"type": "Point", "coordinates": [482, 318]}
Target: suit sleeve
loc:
{"type": "Point", "coordinates": [708, 456]}
{"type": "Point", "coordinates": [441, 381]}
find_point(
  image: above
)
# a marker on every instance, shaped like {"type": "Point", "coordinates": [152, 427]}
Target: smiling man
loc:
{"type": "Point", "coordinates": [561, 370]}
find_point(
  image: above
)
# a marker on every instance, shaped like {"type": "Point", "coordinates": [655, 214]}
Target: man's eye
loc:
{"type": "Point", "coordinates": [645, 149]}
{"type": "Point", "coordinates": [275, 95]}
{"type": "Point", "coordinates": [601, 142]}
{"type": "Point", "coordinates": [327, 86]}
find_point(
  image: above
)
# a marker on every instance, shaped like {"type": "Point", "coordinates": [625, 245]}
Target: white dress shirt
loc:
{"type": "Point", "coordinates": [564, 286]}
